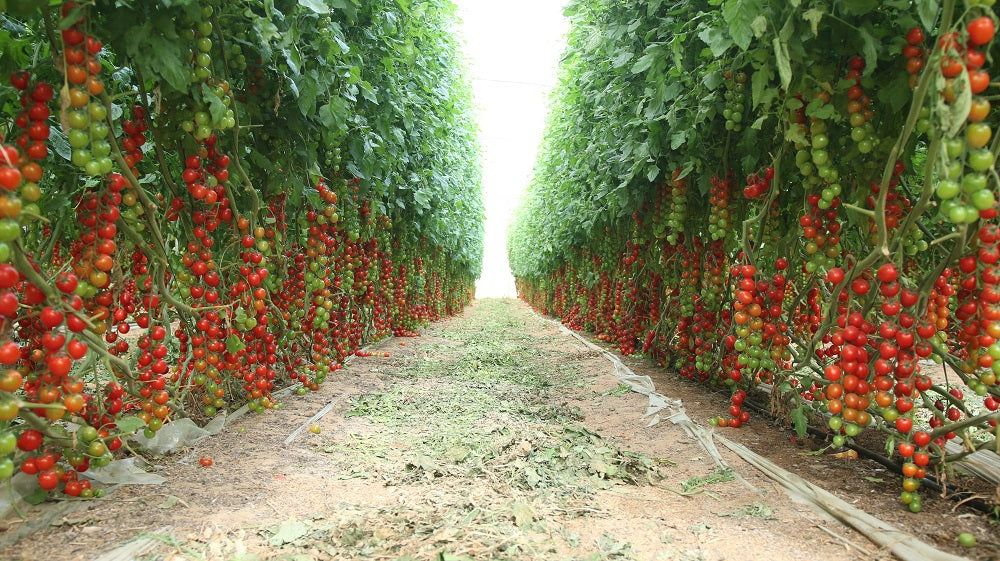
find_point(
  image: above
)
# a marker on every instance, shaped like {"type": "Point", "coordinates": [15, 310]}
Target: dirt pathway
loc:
{"type": "Point", "coordinates": [492, 436]}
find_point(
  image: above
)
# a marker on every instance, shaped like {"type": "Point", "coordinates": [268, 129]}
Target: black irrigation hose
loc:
{"type": "Point", "coordinates": [943, 489]}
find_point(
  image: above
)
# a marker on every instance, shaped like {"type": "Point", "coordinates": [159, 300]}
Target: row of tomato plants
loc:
{"type": "Point", "coordinates": [199, 211]}
{"type": "Point", "coordinates": [825, 231]}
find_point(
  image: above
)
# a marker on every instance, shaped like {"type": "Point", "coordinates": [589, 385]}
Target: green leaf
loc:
{"type": "Point", "coordinates": [717, 40]}
{"type": "Point", "coordinates": [869, 48]}
{"type": "Point", "coordinates": [622, 59]}
{"type": "Point", "coordinates": [800, 421]}
{"type": "Point", "coordinates": [288, 532]}
{"type": "Point", "coordinates": [858, 7]}
{"type": "Point", "coordinates": [72, 16]}
{"type": "Point", "coordinates": [523, 515]}
{"type": "Point", "coordinates": [820, 110]}
{"type": "Point", "coordinates": [677, 139]}
{"type": "Point", "coordinates": [759, 26]}
{"type": "Point", "coordinates": [758, 84]}
{"type": "Point", "coordinates": [644, 63]}
{"type": "Point", "coordinates": [216, 107]}
{"type": "Point", "coordinates": [234, 344]}
{"type": "Point", "coordinates": [897, 93]}
{"type": "Point", "coordinates": [36, 497]}
{"type": "Point", "coordinates": [927, 11]}
{"type": "Point", "coordinates": [783, 62]}
{"type": "Point", "coordinates": [128, 425]}
{"type": "Point", "coordinates": [711, 80]}
{"type": "Point", "coordinates": [740, 14]}
{"type": "Point", "coordinates": [960, 107]}
{"type": "Point", "coordinates": [308, 90]}
{"type": "Point", "coordinates": [813, 16]}
{"type": "Point", "coordinates": [652, 172]}
{"type": "Point", "coordinates": [318, 6]}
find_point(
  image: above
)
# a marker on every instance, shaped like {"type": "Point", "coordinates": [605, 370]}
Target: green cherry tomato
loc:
{"type": "Point", "coordinates": [9, 230]}
{"type": "Point", "coordinates": [97, 111]}
{"type": "Point", "coordinates": [87, 434]}
{"type": "Point", "coordinates": [983, 199]}
{"type": "Point", "coordinates": [954, 148]}
{"type": "Point", "coordinates": [965, 539]}
{"type": "Point", "coordinates": [981, 159]}
{"type": "Point", "coordinates": [972, 182]}
{"type": "Point", "coordinates": [947, 189]}
{"type": "Point", "coordinates": [7, 443]}
{"type": "Point", "coordinates": [78, 138]}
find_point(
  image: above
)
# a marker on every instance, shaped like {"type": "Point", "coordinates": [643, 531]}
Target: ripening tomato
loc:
{"type": "Point", "coordinates": [29, 440]}
{"type": "Point", "coordinates": [981, 30]}
{"type": "Point", "coordinates": [979, 110]}
{"type": "Point", "coordinates": [979, 80]}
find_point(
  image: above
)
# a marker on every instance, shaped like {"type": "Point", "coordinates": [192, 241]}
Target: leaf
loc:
{"type": "Point", "coordinates": [72, 16]}
{"type": "Point", "coordinates": [783, 62]}
{"type": "Point", "coordinates": [927, 11]}
{"type": "Point", "coordinates": [652, 172]}
{"type": "Point", "coordinates": [128, 425]}
{"type": "Point", "coordinates": [960, 107]}
{"type": "Point", "coordinates": [289, 532]}
{"type": "Point", "coordinates": [234, 344]}
{"type": "Point", "coordinates": [677, 139]}
{"type": "Point", "coordinates": [318, 6]}
{"type": "Point", "coordinates": [800, 421]}
{"type": "Point", "coordinates": [759, 26]}
{"type": "Point", "coordinates": [644, 63]}
{"type": "Point", "coordinates": [717, 40]}
{"type": "Point", "coordinates": [622, 59]}
{"type": "Point", "coordinates": [36, 497]}
{"type": "Point", "coordinates": [740, 14]}
{"type": "Point", "coordinates": [820, 110]}
{"type": "Point", "coordinates": [896, 94]}
{"type": "Point", "coordinates": [711, 80]}
{"type": "Point", "coordinates": [869, 48]}
{"type": "Point", "coordinates": [813, 16]}
{"type": "Point", "coordinates": [61, 144]}
{"type": "Point", "coordinates": [168, 502]}
{"type": "Point", "coordinates": [457, 454]}
{"type": "Point", "coordinates": [216, 107]}
{"type": "Point", "coordinates": [308, 90]}
{"type": "Point", "coordinates": [858, 7]}
{"type": "Point", "coordinates": [758, 84]}
{"type": "Point", "coordinates": [523, 515]}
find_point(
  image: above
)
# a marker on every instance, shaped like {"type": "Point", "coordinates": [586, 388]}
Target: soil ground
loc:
{"type": "Point", "coordinates": [491, 436]}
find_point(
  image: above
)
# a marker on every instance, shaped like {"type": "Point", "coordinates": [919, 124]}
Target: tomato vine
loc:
{"type": "Point", "coordinates": [865, 242]}
{"type": "Point", "coordinates": [203, 201]}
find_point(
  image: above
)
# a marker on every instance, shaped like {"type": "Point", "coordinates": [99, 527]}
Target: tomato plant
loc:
{"type": "Point", "coordinates": [865, 242]}
{"type": "Point", "coordinates": [204, 201]}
